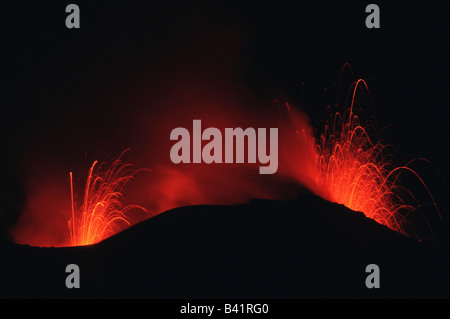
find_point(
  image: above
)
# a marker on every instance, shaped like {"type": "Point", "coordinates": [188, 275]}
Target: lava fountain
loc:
{"type": "Point", "coordinates": [358, 172]}
{"type": "Point", "coordinates": [102, 212]}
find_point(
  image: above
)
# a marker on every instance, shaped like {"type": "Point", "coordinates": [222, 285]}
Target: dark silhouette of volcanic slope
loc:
{"type": "Point", "coordinates": [299, 248]}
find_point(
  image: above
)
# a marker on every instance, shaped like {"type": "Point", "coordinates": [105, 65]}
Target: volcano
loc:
{"type": "Point", "coordinates": [301, 248]}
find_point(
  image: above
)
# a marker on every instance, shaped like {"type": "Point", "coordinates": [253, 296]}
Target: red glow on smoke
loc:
{"type": "Point", "coordinates": [173, 185]}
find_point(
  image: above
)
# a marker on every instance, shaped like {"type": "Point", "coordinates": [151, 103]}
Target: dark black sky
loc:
{"type": "Point", "coordinates": [51, 74]}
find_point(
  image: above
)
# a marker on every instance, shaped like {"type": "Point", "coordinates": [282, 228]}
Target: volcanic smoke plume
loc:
{"type": "Point", "coordinates": [343, 165]}
{"type": "Point", "coordinates": [175, 185]}
{"type": "Point", "coordinates": [98, 209]}
{"type": "Point", "coordinates": [61, 187]}
{"type": "Point", "coordinates": [103, 193]}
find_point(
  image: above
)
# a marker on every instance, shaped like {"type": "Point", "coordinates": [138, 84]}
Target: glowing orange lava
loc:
{"type": "Point", "coordinates": [345, 164]}
{"type": "Point", "coordinates": [102, 213]}
{"type": "Point", "coordinates": [358, 173]}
